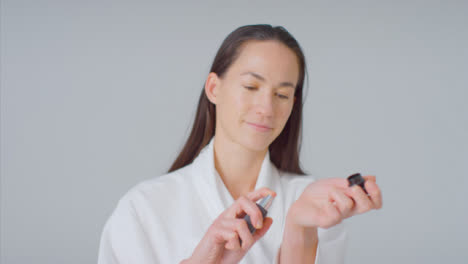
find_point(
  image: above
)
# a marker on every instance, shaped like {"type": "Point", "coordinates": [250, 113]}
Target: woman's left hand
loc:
{"type": "Point", "coordinates": [325, 203]}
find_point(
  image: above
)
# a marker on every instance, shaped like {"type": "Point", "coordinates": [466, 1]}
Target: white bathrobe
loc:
{"type": "Point", "coordinates": [162, 220]}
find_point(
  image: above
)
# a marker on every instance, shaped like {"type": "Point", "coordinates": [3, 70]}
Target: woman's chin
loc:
{"type": "Point", "coordinates": [256, 143]}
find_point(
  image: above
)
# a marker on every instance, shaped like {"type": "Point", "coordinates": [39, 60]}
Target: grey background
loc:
{"type": "Point", "coordinates": [97, 96]}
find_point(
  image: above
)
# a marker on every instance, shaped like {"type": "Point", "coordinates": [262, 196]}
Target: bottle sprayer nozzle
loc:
{"type": "Point", "coordinates": [266, 202]}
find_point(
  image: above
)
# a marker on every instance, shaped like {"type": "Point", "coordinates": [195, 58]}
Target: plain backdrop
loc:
{"type": "Point", "coordinates": [97, 96]}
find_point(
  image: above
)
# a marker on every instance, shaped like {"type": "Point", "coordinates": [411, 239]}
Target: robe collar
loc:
{"type": "Point", "coordinates": [211, 187]}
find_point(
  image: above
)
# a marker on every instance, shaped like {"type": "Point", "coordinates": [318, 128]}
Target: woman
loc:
{"type": "Point", "coordinates": [243, 146]}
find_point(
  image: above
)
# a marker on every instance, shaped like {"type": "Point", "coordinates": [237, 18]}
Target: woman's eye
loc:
{"type": "Point", "coordinates": [250, 87]}
{"type": "Point", "coordinates": [282, 96]}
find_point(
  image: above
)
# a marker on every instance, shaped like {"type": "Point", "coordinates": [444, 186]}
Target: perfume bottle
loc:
{"type": "Point", "coordinates": [263, 205]}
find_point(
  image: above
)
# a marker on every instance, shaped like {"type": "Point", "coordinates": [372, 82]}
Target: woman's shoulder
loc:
{"type": "Point", "coordinates": [159, 187]}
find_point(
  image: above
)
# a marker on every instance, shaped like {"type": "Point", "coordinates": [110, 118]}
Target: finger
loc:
{"type": "Point", "coordinates": [228, 227]}
{"type": "Point", "coordinates": [244, 206]}
{"type": "Point", "coordinates": [232, 244]}
{"type": "Point", "coordinates": [227, 235]}
{"type": "Point", "coordinates": [375, 193]}
{"type": "Point", "coordinates": [330, 216]}
{"type": "Point", "coordinates": [342, 202]}
{"type": "Point", "coordinates": [362, 201]}
{"type": "Point", "coordinates": [262, 231]}
{"type": "Point", "coordinates": [370, 178]}
{"type": "Point", "coordinates": [366, 179]}
{"type": "Point", "coordinates": [260, 193]}
{"type": "Point", "coordinates": [253, 196]}
{"type": "Point", "coordinates": [244, 234]}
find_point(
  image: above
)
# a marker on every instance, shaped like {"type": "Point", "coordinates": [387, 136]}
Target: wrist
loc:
{"type": "Point", "coordinates": [296, 234]}
{"type": "Point", "coordinates": [299, 243]}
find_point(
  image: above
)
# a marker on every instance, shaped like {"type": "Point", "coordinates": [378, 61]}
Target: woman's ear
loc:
{"type": "Point", "coordinates": [212, 87]}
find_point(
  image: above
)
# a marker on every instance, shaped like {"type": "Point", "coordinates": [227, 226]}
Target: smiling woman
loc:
{"type": "Point", "coordinates": [244, 145]}
{"type": "Point", "coordinates": [267, 62]}
{"type": "Point", "coordinates": [264, 67]}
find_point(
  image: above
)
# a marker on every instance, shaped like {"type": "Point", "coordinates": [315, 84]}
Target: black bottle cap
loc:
{"type": "Point", "coordinates": [357, 179]}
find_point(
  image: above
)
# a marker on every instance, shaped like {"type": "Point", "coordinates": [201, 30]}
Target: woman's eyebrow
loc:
{"type": "Point", "coordinates": [261, 78]}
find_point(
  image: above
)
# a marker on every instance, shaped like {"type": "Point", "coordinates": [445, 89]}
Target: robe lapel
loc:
{"type": "Point", "coordinates": [216, 196]}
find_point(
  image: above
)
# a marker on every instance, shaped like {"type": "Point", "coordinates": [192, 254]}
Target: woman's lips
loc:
{"type": "Point", "coordinates": [259, 127]}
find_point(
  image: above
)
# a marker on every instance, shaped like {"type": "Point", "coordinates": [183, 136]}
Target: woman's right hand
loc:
{"type": "Point", "coordinates": [221, 244]}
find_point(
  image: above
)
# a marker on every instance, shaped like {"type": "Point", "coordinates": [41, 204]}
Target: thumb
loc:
{"type": "Point", "coordinates": [267, 222]}
{"type": "Point", "coordinates": [370, 178]}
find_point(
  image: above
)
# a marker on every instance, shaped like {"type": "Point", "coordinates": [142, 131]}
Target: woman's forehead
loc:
{"type": "Point", "coordinates": [270, 59]}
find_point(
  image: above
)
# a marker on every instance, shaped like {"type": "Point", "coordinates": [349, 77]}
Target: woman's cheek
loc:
{"type": "Point", "coordinates": [242, 103]}
{"type": "Point", "coordinates": [284, 116]}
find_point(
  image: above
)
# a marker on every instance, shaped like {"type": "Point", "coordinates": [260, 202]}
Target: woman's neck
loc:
{"type": "Point", "coordinates": [238, 166]}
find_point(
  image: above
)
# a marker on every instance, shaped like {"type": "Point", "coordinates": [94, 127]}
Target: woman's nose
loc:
{"type": "Point", "coordinates": [265, 104]}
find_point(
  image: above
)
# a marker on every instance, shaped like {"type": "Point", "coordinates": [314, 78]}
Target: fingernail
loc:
{"type": "Point", "coordinates": [259, 224]}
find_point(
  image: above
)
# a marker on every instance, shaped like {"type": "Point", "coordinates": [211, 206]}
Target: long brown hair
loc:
{"type": "Point", "coordinates": [284, 150]}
